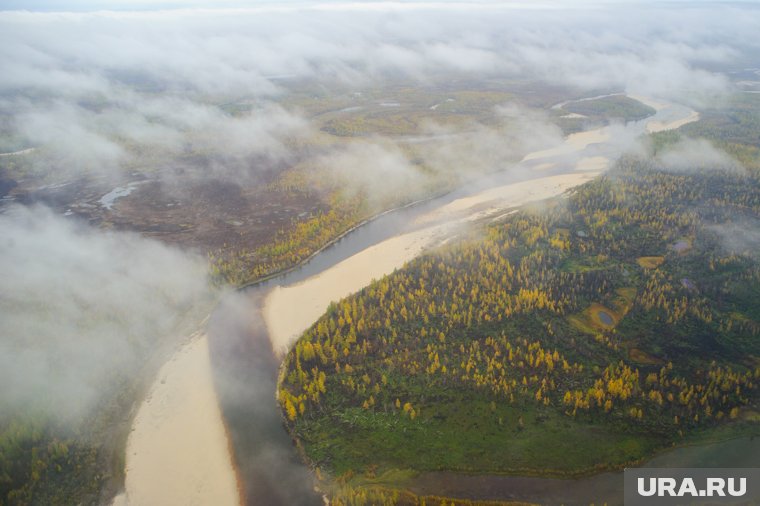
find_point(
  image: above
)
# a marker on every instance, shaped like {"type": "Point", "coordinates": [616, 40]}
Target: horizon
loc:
{"type": "Point", "coordinates": [81, 6]}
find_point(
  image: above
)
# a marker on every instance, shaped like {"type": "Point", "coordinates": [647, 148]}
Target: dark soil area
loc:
{"type": "Point", "coordinates": [200, 213]}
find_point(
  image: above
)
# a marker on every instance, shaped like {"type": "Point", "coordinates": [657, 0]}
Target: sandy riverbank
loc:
{"type": "Point", "coordinates": [178, 452]}
{"type": "Point", "coordinates": [661, 126]}
{"type": "Point", "coordinates": [657, 105]}
{"type": "Point", "coordinates": [20, 152]}
{"type": "Point", "coordinates": [290, 310]}
{"type": "Point", "coordinates": [573, 143]}
{"type": "Point", "coordinates": [655, 126]}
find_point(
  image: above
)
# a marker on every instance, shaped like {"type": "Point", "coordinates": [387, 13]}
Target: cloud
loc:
{"type": "Point", "coordinates": [72, 135]}
{"type": "Point", "coordinates": [82, 309]}
{"type": "Point", "coordinates": [383, 171]}
{"type": "Point", "coordinates": [475, 148]}
{"type": "Point", "coordinates": [688, 155]}
{"type": "Point", "coordinates": [87, 83]}
{"type": "Point", "coordinates": [741, 236]}
{"type": "Point", "coordinates": [238, 50]}
{"type": "Point", "coordinates": [101, 140]}
{"type": "Point", "coordinates": [376, 169]}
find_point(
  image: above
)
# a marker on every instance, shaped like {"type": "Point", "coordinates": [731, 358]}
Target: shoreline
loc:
{"type": "Point", "coordinates": [239, 482]}
{"type": "Point", "coordinates": [585, 164]}
{"type": "Point", "coordinates": [334, 240]}
{"type": "Point", "coordinates": [181, 406]}
{"type": "Point", "coordinates": [114, 458]}
{"type": "Point", "coordinates": [596, 477]}
{"type": "Point", "coordinates": [19, 152]}
{"type": "Point", "coordinates": [288, 311]}
{"type": "Point", "coordinates": [363, 222]}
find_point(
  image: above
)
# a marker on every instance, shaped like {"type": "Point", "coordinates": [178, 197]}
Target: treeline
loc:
{"type": "Point", "coordinates": [612, 107]}
{"type": "Point", "coordinates": [291, 245]}
{"type": "Point", "coordinates": [588, 113]}
{"type": "Point", "coordinates": [42, 465]}
{"type": "Point", "coordinates": [381, 496]}
{"type": "Point", "coordinates": [736, 121]}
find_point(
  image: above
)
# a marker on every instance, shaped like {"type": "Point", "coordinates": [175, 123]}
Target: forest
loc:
{"type": "Point", "coordinates": [579, 115]}
{"type": "Point", "coordinates": [580, 335]}
{"type": "Point", "coordinates": [612, 107]}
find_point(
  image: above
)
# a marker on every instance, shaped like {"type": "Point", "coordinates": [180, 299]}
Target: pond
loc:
{"type": "Point", "coordinates": [606, 318]}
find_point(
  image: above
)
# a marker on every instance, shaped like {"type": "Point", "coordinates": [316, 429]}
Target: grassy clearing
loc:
{"type": "Point", "coordinates": [589, 263]}
{"type": "Point", "coordinates": [350, 494]}
{"type": "Point", "coordinates": [467, 433]}
{"type": "Point", "coordinates": [652, 262]}
{"type": "Point", "coordinates": [624, 299]}
{"type": "Point", "coordinates": [642, 357]}
{"type": "Point", "coordinates": [591, 319]}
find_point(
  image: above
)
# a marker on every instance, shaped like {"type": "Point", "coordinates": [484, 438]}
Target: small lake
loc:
{"type": "Point", "coordinates": [606, 318]}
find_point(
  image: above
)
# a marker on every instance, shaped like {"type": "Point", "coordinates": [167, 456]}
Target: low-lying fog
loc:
{"type": "Point", "coordinates": [97, 89]}
{"type": "Point", "coordinates": [81, 308]}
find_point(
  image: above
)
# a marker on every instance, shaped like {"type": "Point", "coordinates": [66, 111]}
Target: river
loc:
{"type": "Point", "coordinates": [603, 488]}
{"type": "Point", "coordinates": [250, 330]}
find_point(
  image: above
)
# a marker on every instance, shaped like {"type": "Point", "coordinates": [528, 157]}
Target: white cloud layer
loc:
{"type": "Point", "coordinates": [86, 83]}
{"type": "Point", "coordinates": [82, 308]}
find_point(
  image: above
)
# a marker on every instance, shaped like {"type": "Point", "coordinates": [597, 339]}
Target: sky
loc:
{"type": "Point", "coordinates": [94, 5]}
